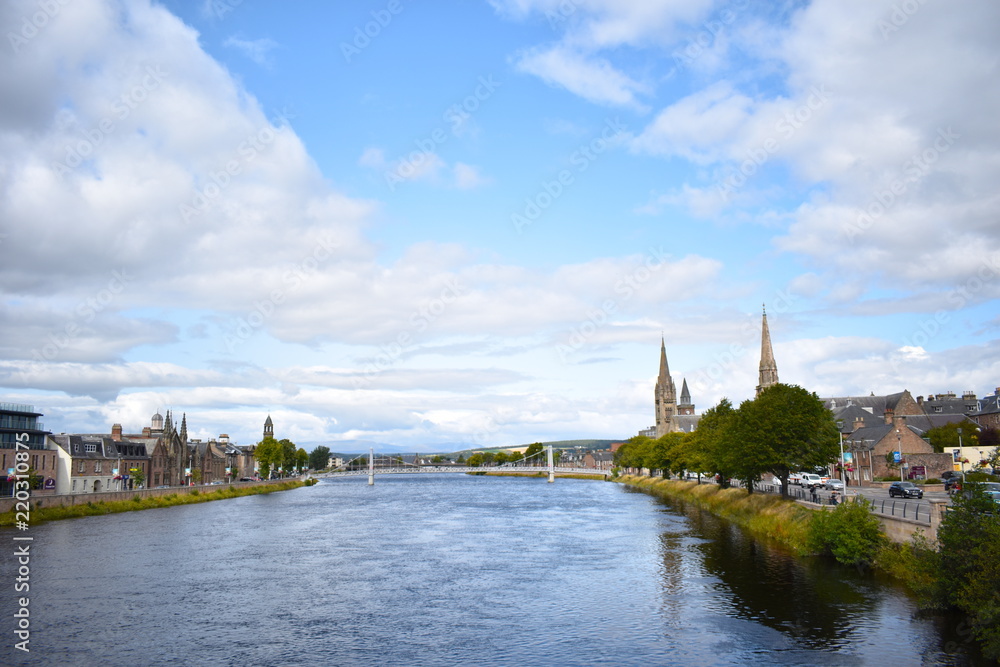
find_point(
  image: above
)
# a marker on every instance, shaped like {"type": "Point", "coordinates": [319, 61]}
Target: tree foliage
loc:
{"type": "Point", "coordinates": [268, 454]}
{"type": "Point", "coordinates": [850, 533]}
{"type": "Point", "coordinates": [969, 554]}
{"type": "Point", "coordinates": [319, 458]}
{"type": "Point", "coordinates": [946, 437]}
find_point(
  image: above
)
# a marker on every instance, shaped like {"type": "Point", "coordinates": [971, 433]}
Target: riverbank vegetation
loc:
{"type": "Point", "coordinates": [140, 502]}
{"type": "Point", "coordinates": [961, 572]}
{"type": "Point", "coordinates": [785, 429]}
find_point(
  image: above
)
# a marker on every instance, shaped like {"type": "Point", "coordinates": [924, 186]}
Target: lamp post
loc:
{"type": "Point", "coordinates": [899, 450]}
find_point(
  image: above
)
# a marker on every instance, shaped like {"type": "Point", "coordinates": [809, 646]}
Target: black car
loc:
{"type": "Point", "coordinates": [905, 490]}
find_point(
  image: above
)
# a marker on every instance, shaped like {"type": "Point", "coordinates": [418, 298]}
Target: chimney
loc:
{"type": "Point", "coordinates": [889, 413]}
{"type": "Point", "coordinates": [859, 422]}
{"type": "Point", "coordinates": [899, 423]}
{"type": "Point", "coordinates": [147, 431]}
{"type": "Point", "coordinates": [920, 400]}
{"type": "Point", "coordinates": [116, 432]}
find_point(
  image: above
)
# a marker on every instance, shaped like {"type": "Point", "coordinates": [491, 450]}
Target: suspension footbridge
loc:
{"type": "Point", "coordinates": [373, 465]}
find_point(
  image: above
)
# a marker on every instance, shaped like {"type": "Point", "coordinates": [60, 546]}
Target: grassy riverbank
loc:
{"type": "Point", "coordinates": [138, 502]}
{"type": "Point", "coordinates": [773, 517]}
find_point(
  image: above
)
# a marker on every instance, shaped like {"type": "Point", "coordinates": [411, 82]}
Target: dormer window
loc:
{"type": "Point", "coordinates": [91, 448]}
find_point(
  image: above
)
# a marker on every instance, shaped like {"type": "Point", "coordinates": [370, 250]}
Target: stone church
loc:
{"type": "Point", "coordinates": [676, 415]}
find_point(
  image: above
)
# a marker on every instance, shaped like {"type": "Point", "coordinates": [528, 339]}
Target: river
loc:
{"type": "Point", "coordinates": [448, 569]}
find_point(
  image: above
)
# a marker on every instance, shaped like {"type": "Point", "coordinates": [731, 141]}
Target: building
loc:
{"type": "Point", "coordinates": [671, 416]}
{"type": "Point", "coordinates": [19, 425]}
{"type": "Point", "coordinates": [871, 445]}
{"type": "Point", "coordinates": [768, 370]}
{"type": "Point", "coordinates": [91, 463]}
{"type": "Point", "coordinates": [167, 450]}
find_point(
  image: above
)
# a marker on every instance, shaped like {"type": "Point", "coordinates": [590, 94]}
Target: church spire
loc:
{"type": "Point", "coordinates": [184, 427]}
{"type": "Point", "coordinates": [768, 367]}
{"type": "Point", "coordinates": [665, 396]}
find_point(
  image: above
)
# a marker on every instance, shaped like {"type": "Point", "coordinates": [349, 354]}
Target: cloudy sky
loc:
{"type": "Point", "coordinates": [469, 222]}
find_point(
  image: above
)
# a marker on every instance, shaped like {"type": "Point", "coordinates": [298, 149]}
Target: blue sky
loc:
{"type": "Point", "coordinates": [469, 223]}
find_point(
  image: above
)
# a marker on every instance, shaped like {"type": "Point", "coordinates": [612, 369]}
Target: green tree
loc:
{"type": "Point", "coordinates": [500, 458]}
{"type": "Point", "coordinates": [319, 458]}
{"type": "Point", "coordinates": [634, 452]}
{"type": "Point", "coordinates": [712, 441]}
{"type": "Point", "coordinates": [287, 461]}
{"type": "Point", "coordinates": [784, 429]}
{"type": "Point", "coordinates": [138, 477]}
{"type": "Point", "coordinates": [850, 533]}
{"type": "Point", "coordinates": [301, 460]}
{"type": "Point", "coordinates": [268, 454]}
{"type": "Point", "coordinates": [533, 449]}
{"type": "Point", "coordinates": [437, 459]}
{"type": "Point", "coordinates": [969, 554]}
{"type": "Point", "coordinates": [460, 459]}
{"type": "Point", "coordinates": [196, 476]}
{"type": "Point", "coordinates": [475, 460]}
{"type": "Point", "coordinates": [946, 437]}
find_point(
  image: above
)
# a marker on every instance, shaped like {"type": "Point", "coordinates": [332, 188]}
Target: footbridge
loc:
{"type": "Point", "coordinates": [385, 464]}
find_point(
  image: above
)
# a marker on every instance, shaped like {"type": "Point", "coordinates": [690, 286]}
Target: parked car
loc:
{"type": "Point", "coordinates": [952, 480]}
{"type": "Point", "coordinates": [905, 490]}
{"type": "Point", "coordinates": [834, 485]}
{"type": "Point", "coordinates": [795, 478]}
{"type": "Point", "coordinates": [811, 481]}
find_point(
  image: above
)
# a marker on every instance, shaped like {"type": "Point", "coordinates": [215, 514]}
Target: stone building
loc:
{"type": "Point", "coordinates": [870, 446]}
{"type": "Point", "coordinates": [768, 370]}
{"type": "Point", "coordinates": [91, 463]}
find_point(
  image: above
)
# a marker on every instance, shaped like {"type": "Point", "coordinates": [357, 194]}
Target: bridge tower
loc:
{"type": "Point", "coordinates": [552, 467]}
{"type": "Point", "coordinates": [371, 466]}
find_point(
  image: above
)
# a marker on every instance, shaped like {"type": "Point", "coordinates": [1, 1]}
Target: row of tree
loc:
{"type": "Point", "coordinates": [279, 456]}
{"type": "Point", "coordinates": [785, 429]}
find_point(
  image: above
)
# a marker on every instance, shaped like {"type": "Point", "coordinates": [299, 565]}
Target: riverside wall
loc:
{"type": "Point", "coordinates": [67, 499]}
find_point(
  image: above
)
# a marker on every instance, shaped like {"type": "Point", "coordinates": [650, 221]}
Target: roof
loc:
{"type": "Point", "coordinates": [870, 435]}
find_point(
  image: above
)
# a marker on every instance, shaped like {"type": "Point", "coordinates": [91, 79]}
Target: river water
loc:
{"type": "Point", "coordinates": [449, 570]}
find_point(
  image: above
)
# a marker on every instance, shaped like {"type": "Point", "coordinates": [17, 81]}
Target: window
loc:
{"type": "Point", "coordinates": [97, 466]}
{"type": "Point", "coordinates": [80, 467]}
{"type": "Point", "coordinates": [73, 488]}
{"type": "Point", "coordinates": [91, 448]}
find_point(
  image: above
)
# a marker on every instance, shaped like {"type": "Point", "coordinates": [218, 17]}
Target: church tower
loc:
{"type": "Point", "coordinates": [184, 428]}
{"type": "Point", "coordinates": [665, 396]}
{"type": "Point", "coordinates": [685, 407]}
{"type": "Point", "coordinates": [768, 367]}
{"type": "Point", "coordinates": [268, 428]}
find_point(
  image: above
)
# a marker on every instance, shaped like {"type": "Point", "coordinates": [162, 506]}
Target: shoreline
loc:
{"type": "Point", "coordinates": [182, 496]}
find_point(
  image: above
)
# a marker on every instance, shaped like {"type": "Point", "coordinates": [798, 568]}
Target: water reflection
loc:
{"type": "Point", "coordinates": [814, 603]}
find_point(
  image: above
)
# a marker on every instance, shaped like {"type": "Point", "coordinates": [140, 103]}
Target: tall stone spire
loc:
{"type": "Point", "coordinates": [685, 406]}
{"type": "Point", "coordinates": [665, 396]}
{"type": "Point", "coordinates": [184, 428]}
{"type": "Point", "coordinates": [768, 367]}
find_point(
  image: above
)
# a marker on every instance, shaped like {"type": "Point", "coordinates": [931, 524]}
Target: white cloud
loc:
{"type": "Point", "coordinates": [257, 50]}
{"type": "Point", "coordinates": [594, 79]}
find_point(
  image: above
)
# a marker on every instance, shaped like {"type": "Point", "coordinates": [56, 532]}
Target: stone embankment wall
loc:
{"type": "Point", "coordinates": [67, 499]}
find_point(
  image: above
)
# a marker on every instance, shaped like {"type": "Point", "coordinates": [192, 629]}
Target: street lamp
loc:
{"type": "Point", "coordinates": [899, 449]}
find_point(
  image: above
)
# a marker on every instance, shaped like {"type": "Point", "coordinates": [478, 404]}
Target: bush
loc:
{"type": "Point", "coordinates": [850, 533]}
